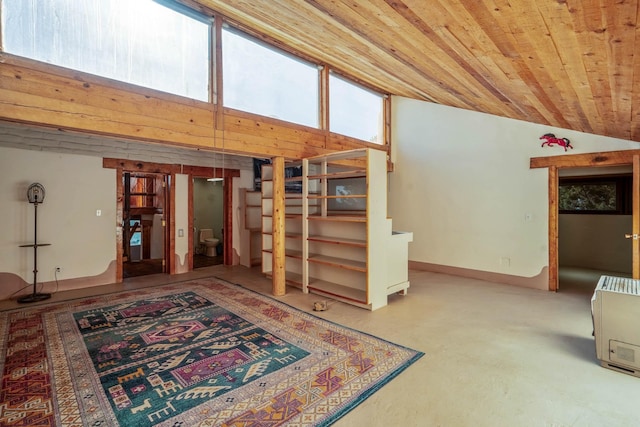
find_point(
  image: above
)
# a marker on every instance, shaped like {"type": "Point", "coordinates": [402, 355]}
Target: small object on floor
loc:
{"type": "Point", "coordinates": [320, 306]}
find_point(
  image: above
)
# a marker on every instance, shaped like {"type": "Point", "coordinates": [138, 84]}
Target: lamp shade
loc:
{"type": "Point", "coordinates": [35, 193]}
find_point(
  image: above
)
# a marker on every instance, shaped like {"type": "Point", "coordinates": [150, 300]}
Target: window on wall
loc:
{"type": "Point", "coordinates": [596, 195]}
{"type": "Point", "coordinates": [355, 111]}
{"type": "Point", "coordinates": [120, 39]}
{"type": "Point", "coordinates": [142, 191]}
{"type": "Point", "coordinates": [263, 80]}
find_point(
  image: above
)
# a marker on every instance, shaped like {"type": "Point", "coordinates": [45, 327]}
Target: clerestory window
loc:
{"type": "Point", "coordinates": [162, 45]}
{"type": "Point", "coordinates": [140, 42]}
{"type": "Point", "coordinates": [355, 111]}
{"type": "Point", "coordinates": [260, 79]}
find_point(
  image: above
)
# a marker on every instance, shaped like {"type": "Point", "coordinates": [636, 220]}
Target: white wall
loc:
{"type": "Point", "coordinates": [463, 185]}
{"type": "Point", "coordinates": [595, 242]}
{"type": "Point", "coordinates": [82, 244]}
{"type": "Point", "coordinates": [181, 218]}
{"type": "Point", "coordinates": [69, 165]}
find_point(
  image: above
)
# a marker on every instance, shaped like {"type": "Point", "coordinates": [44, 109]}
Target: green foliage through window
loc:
{"type": "Point", "coordinates": [595, 195]}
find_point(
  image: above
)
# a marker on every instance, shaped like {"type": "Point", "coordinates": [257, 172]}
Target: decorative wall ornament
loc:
{"type": "Point", "coordinates": [550, 139]}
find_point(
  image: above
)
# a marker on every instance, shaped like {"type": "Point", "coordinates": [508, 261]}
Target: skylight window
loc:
{"type": "Point", "coordinates": [140, 42]}
{"type": "Point", "coordinates": [355, 111]}
{"type": "Point", "coordinates": [262, 80]}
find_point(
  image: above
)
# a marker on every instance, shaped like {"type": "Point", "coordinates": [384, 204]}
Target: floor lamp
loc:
{"type": "Point", "coordinates": [35, 195]}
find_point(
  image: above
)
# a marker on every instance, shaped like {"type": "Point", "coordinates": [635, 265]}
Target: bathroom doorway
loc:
{"type": "Point", "coordinates": [208, 222]}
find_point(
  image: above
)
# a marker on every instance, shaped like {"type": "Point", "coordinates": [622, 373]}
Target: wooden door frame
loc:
{"type": "Point", "coordinates": [610, 158]}
{"type": "Point", "coordinates": [227, 176]}
{"type": "Point", "coordinates": [132, 166]}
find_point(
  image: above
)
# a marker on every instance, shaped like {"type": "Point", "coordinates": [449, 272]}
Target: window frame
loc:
{"type": "Point", "coordinates": [624, 193]}
{"type": "Point", "coordinates": [135, 84]}
{"type": "Point", "coordinates": [385, 106]}
{"type": "Point", "coordinates": [278, 49]}
{"type": "Point", "coordinates": [216, 79]}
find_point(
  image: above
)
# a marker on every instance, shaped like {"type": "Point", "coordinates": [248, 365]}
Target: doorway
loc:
{"type": "Point", "coordinates": [144, 230]}
{"type": "Point", "coordinates": [208, 222]}
{"type": "Point", "coordinates": [595, 213]}
{"type": "Point", "coordinates": [589, 160]}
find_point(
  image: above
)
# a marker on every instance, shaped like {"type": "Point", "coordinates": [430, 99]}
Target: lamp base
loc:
{"type": "Point", "coordinates": [34, 297]}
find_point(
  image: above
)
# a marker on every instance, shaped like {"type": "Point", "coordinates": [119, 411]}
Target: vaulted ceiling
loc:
{"type": "Point", "coordinates": [564, 63]}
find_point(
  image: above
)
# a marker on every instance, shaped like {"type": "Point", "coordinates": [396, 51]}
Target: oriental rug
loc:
{"type": "Point", "coordinates": [198, 353]}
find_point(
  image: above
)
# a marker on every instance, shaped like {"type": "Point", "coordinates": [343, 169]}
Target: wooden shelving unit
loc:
{"type": "Point", "coordinates": [293, 226]}
{"type": "Point", "coordinates": [338, 239]}
{"type": "Point", "coordinates": [251, 229]}
{"type": "Point", "coordinates": [267, 218]}
{"type": "Point", "coordinates": [350, 251]}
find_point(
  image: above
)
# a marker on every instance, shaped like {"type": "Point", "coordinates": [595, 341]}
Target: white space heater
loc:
{"type": "Point", "coordinates": [615, 307]}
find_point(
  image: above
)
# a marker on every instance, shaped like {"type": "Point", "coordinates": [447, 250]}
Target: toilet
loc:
{"type": "Point", "coordinates": [208, 241]}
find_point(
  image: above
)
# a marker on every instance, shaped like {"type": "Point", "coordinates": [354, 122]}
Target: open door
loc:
{"type": "Point", "coordinates": [612, 158]}
{"type": "Point", "coordinates": [208, 222]}
{"type": "Point", "coordinates": [635, 244]}
{"type": "Point", "coordinates": [227, 176]}
{"type": "Point", "coordinates": [144, 228]}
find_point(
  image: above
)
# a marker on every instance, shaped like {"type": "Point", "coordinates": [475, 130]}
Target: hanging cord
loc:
{"type": "Point", "coordinates": [215, 127]}
{"type": "Point", "coordinates": [55, 274]}
{"type": "Point", "coordinates": [19, 290]}
{"type": "Point", "coordinates": [223, 154]}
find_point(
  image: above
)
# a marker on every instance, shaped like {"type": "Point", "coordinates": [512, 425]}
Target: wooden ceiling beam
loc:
{"type": "Point", "coordinates": [566, 63]}
{"type": "Point", "coordinates": [607, 158]}
{"type": "Point", "coordinates": [570, 64]}
{"type": "Point", "coordinates": [44, 95]}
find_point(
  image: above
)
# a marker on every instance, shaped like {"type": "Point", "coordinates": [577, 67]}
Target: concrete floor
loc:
{"type": "Point", "coordinates": [496, 355]}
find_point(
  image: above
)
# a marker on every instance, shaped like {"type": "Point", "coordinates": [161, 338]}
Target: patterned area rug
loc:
{"type": "Point", "coordinates": [197, 353]}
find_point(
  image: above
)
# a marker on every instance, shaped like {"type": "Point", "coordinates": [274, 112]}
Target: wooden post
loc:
{"type": "Point", "coordinates": [553, 228]}
{"type": "Point", "coordinates": [119, 224]}
{"type": "Point", "coordinates": [278, 259]}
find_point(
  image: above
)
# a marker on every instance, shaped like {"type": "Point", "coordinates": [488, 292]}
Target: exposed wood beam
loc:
{"type": "Point", "coordinates": [138, 166]}
{"type": "Point", "coordinates": [45, 95]}
{"type": "Point", "coordinates": [606, 158]}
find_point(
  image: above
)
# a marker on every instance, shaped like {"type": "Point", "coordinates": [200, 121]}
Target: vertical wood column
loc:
{"type": "Point", "coordinates": [119, 224]}
{"type": "Point", "coordinates": [170, 219]}
{"type": "Point", "coordinates": [635, 200]}
{"type": "Point", "coordinates": [278, 259]}
{"type": "Point", "coordinates": [323, 83]}
{"type": "Point", "coordinates": [553, 228]}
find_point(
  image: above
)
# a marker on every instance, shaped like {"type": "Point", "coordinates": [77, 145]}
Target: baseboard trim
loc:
{"type": "Point", "coordinates": [539, 281]}
{"type": "Point", "coordinates": [14, 286]}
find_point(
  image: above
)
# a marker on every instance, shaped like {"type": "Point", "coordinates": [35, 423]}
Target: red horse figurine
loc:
{"type": "Point", "coordinates": [550, 139]}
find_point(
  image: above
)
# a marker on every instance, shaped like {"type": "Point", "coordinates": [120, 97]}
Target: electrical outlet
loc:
{"type": "Point", "coordinates": [58, 269]}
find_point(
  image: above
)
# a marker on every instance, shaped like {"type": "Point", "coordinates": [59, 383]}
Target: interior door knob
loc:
{"type": "Point", "coordinates": [631, 236]}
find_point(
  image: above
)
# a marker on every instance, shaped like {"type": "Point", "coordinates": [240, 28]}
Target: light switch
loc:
{"type": "Point", "coordinates": [180, 232]}
{"type": "Point", "coordinates": [98, 212]}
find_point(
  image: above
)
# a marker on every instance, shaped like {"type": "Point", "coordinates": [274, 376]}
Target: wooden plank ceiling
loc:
{"type": "Point", "coordinates": [565, 63]}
